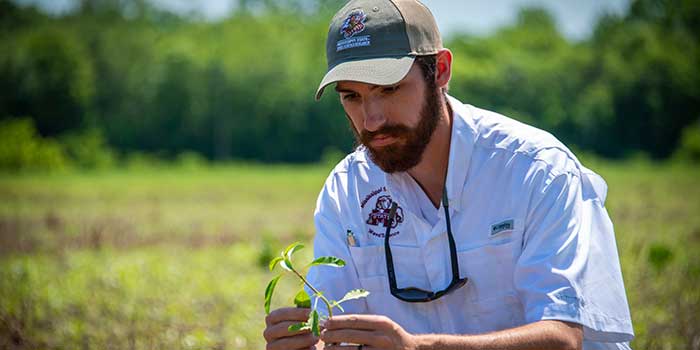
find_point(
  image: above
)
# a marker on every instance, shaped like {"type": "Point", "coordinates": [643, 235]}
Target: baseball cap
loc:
{"type": "Point", "coordinates": [376, 41]}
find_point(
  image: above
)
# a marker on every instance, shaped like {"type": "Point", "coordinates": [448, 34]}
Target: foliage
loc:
{"type": "Point", "coordinates": [88, 150]}
{"type": "Point", "coordinates": [689, 149]}
{"type": "Point", "coordinates": [242, 88]}
{"type": "Point", "coordinates": [302, 299]}
{"type": "Point", "coordinates": [22, 149]}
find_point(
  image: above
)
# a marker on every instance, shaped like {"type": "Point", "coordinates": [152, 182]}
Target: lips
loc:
{"type": "Point", "coordinates": [382, 140]}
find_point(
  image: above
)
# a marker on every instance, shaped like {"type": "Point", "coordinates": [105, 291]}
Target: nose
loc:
{"type": "Point", "coordinates": [374, 115]}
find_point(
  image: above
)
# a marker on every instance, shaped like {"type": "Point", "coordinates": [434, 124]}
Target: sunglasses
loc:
{"type": "Point", "coordinates": [413, 294]}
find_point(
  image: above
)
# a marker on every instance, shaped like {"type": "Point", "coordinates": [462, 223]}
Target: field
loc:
{"type": "Point", "coordinates": [174, 258]}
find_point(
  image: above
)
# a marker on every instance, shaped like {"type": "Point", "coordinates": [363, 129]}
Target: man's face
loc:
{"type": "Point", "coordinates": [394, 122]}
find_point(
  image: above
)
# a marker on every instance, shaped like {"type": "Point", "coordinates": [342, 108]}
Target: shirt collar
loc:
{"type": "Point", "coordinates": [461, 146]}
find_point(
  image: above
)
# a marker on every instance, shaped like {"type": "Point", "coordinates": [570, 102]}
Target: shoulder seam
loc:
{"type": "Point", "coordinates": [550, 167]}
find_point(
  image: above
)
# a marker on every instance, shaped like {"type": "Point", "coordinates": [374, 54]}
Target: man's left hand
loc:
{"type": "Point", "coordinates": [372, 331]}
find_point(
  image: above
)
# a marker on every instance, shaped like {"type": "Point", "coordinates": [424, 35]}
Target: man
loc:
{"type": "Point", "coordinates": [470, 230]}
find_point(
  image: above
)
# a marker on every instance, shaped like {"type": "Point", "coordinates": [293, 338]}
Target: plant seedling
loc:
{"type": "Point", "coordinates": [302, 299]}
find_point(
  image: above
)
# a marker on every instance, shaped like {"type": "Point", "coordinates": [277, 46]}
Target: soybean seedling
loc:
{"type": "Point", "coordinates": [302, 299]}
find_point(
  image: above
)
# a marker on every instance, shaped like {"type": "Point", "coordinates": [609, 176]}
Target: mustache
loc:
{"type": "Point", "coordinates": [393, 130]}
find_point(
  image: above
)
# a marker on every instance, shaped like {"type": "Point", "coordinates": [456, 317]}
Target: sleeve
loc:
{"type": "Point", "coordinates": [569, 268]}
{"type": "Point", "coordinates": [330, 240]}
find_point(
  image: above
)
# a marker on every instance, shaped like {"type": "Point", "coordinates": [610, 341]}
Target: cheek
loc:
{"type": "Point", "coordinates": [355, 122]}
{"type": "Point", "coordinates": [405, 108]}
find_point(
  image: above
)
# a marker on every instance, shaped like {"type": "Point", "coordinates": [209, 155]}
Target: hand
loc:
{"type": "Point", "coordinates": [277, 335]}
{"type": "Point", "coordinates": [372, 331]}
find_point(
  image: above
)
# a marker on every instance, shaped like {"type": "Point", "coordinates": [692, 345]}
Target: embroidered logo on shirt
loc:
{"type": "Point", "coordinates": [502, 227]}
{"type": "Point", "coordinates": [379, 216]}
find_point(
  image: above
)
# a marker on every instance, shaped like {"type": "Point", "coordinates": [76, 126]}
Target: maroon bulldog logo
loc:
{"type": "Point", "coordinates": [354, 24]}
{"type": "Point", "coordinates": [380, 214]}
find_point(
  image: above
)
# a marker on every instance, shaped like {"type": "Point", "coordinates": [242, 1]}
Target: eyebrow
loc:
{"type": "Point", "coordinates": [372, 87]}
{"type": "Point", "coordinates": [343, 90]}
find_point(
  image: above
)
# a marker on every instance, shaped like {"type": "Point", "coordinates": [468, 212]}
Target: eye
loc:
{"type": "Point", "coordinates": [390, 89]}
{"type": "Point", "coordinates": [349, 97]}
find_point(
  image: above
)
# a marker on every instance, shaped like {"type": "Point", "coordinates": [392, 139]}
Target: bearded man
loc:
{"type": "Point", "coordinates": [470, 230]}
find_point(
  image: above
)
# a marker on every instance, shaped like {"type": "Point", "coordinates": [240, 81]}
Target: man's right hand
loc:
{"type": "Point", "coordinates": [277, 335]}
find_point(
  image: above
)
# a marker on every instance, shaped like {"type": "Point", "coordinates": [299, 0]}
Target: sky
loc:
{"type": "Point", "coordinates": [575, 18]}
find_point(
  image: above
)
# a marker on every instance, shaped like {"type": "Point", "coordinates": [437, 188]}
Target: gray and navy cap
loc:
{"type": "Point", "coordinates": [376, 41]}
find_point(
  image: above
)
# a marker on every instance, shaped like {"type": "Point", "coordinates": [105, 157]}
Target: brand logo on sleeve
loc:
{"type": "Point", "coordinates": [379, 215]}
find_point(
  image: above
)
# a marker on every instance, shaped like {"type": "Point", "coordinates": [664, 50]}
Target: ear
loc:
{"type": "Point", "coordinates": [444, 68]}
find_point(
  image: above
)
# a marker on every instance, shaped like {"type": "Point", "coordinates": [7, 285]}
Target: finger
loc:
{"type": "Point", "coordinates": [349, 347]}
{"type": "Point", "coordinates": [280, 330]}
{"type": "Point", "coordinates": [303, 341]}
{"type": "Point", "coordinates": [287, 314]}
{"type": "Point", "coordinates": [352, 336]}
{"type": "Point", "coordinates": [367, 322]}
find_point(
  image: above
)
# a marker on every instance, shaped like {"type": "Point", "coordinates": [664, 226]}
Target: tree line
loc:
{"type": "Point", "coordinates": [132, 78]}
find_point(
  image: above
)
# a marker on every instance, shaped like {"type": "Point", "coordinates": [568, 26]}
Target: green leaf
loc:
{"type": "Point", "coordinates": [302, 299]}
{"type": "Point", "coordinates": [268, 293]}
{"type": "Point", "coordinates": [303, 326]}
{"type": "Point", "coordinates": [335, 304]}
{"type": "Point", "coordinates": [353, 294]}
{"type": "Point", "coordinates": [291, 249]}
{"type": "Point", "coordinates": [314, 323]}
{"type": "Point", "coordinates": [329, 261]}
{"type": "Point", "coordinates": [286, 264]}
{"type": "Point", "coordinates": [274, 262]}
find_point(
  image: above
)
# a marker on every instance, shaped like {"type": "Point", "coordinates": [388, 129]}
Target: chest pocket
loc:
{"type": "Point", "coordinates": [490, 267]}
{"type": "Point", "coordinates": [370, 263]}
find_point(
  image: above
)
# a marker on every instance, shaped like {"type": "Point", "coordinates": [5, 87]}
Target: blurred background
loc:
{"type": "Point", "coordinates": [154, 155]}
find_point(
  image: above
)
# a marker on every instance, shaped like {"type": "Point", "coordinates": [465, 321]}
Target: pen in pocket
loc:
{"type": "Point", "coordinates": [352, 242]}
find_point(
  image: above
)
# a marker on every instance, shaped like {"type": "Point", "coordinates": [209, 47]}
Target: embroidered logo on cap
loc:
{"type": "Point", "coordinates": [353, 24]}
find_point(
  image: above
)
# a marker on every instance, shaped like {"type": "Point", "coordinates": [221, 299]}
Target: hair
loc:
{"type": "Point", "coordinates": [428, 66]}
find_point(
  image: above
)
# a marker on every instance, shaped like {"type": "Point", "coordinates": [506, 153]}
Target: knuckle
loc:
{"type": "Point", "coordinates": [268, 334]}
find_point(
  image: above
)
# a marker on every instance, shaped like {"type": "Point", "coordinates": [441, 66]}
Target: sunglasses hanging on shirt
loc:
{"type": "Point", "coordinates": [413, 294]}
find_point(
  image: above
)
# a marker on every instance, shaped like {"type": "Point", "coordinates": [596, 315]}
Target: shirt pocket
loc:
{"type": "Point", "coordinates": [370, 263]}
{"type": "Point", "coordinates": [489, 268]}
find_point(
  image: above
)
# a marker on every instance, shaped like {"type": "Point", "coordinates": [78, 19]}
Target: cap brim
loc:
{"type": "Point", "coordinates": [376, 71]}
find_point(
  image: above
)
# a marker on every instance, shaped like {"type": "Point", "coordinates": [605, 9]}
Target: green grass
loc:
{"type": "Point", "coordinates": [174, 258]}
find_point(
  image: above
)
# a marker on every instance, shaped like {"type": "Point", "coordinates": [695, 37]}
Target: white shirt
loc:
{"type": "Point", "coordinates": [529, 223]}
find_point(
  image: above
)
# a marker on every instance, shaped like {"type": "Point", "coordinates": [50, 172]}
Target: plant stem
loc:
{"type": "Point", "coordinates": [316, 292]}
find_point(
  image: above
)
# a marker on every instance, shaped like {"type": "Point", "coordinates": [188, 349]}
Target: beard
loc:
{"type": "Point", "coordinates": [410, 143]}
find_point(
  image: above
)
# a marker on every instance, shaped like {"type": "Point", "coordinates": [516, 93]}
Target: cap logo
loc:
{"type": "Point", "coordinates": [354, 24]}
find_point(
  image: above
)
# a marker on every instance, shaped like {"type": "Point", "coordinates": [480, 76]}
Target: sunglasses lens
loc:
{"type": "Point", "coordinates": [413, 294]}
{"type": "Point", "coordinates": [460, 283]}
